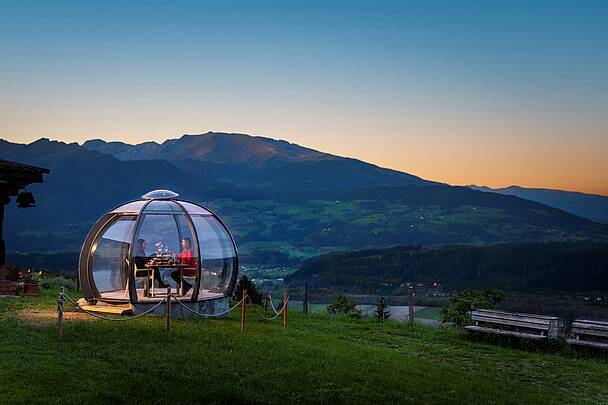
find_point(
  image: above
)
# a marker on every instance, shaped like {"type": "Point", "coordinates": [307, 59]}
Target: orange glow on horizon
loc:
{"type": "Point", "coordinates": [569, 169]}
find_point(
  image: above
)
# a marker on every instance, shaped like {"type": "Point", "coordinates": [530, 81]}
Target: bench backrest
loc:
{"type": "Point", "coordinates": [596, 323]}
{"type": "Point", "coordinates": [516, 314]}
{"type": "Point", "coordinates": [583, 325]}
{"type": "Point", "coordinates": [549, 324]}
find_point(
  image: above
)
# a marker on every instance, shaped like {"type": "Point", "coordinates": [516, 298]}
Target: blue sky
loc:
{"type": "Point", "coordinates": [483, 92]}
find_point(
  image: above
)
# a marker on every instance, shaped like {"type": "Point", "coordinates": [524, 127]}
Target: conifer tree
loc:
{"type": "Point", "coordinates": [382, 311]}
{"type": "Point", "coordinates": [252, 290]}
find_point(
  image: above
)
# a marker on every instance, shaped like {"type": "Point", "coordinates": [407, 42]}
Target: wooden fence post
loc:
{"type": "Point", "coordinates": [410, 303]}
{"type": "Point", "coordinates": [266, 307]}
{"type": "Point", "coordinates": [168, 309]}
{"type": "Point", "coordinates": [305, 309]}
{"type": "Point", "coordinates": [60, 301]}
{"type": "Point", "coordinates": [243, 310]}
{"type": "Point", "coordinates": [285, 309]}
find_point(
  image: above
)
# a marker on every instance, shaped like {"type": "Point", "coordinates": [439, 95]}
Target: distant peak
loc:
{"type": "Point", "coordinates": [103, 142]}
{"type": "Point", "coordinates": [47, 141]}
{"type": "Point", "coordinates": [94, 142]}
{"type": "Point", "coordinates": [42, 140]}
{"type": "Point", "coordinates": [476, 187]}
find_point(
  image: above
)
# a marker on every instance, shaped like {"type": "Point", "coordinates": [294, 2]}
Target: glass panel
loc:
{"type": "Point", "coordinates": [163, 206]}
{"type": "Point", "coordinates": [217, 254]}
{"type": "Point", "coordinates": [188, 253]}
{"type": "Point", "coordinates": [109, 258]}
{"type": "Point", "coordinates": [165, 246]}
{"type": "Point", "coordinates": [194, 209]}
{"type": "Point", "coordinates": [159, 194]}
{"type": "Point", "coordinates": [134, 206]}
{"type": "Point", "coordinates": [159, 232]}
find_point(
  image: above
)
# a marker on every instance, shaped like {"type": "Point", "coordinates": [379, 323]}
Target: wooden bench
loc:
{"type": "Point", "coordinates": [529, 326]}
{"type": "Point", "coordinates": [589, 333]}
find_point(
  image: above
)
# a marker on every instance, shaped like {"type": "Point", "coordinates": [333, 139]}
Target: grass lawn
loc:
{"type": "Point", "coordinates": [428, 313]}
{"type": "Point", "coordinates": [296, 306]}
{"type": "Point", "coordinates": [317, 359]}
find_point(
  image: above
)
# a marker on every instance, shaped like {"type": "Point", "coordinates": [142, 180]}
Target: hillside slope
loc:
{"type": "Point", "coordinates": [83, 184]}
{"type": "Point", "coordinates": [590, 206]}
{"type": "Point", "coordinates": [317, 359]}
{"type": "Point", "coordinates": [565, 267]}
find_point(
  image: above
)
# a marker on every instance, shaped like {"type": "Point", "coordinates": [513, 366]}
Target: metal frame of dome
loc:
{"type": "Point", "coordinates": [85, 268]}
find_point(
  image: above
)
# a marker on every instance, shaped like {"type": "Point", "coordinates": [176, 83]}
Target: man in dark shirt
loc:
{"type": "Point", "coordinates": [140, 259]}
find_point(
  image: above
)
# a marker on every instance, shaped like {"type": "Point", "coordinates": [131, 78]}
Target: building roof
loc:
{"type": "Point", "coordinates": [14, 175]}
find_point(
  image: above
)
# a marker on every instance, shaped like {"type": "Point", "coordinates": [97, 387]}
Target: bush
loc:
{"type": "Point", "coordinates": [344, 306]}
{"type": "Point", "coordinates": [57, 282]}
{"type": "Point", "coordinates": [466, 300]}
{"type": "Point", "coordinates": [252, 290]}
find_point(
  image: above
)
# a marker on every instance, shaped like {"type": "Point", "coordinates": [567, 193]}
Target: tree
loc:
{"type": "Point", "coordinates": [252, 290]}
{"type": "Point", "coordinates": [467, 300]}
{"type": "Point", "coordinates": [382, 312]}
{"type": "Point", "coordinates": [343, 306]}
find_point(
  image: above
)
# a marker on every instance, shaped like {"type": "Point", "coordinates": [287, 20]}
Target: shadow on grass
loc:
{"type": "Point", "coordinates": [554, 346]}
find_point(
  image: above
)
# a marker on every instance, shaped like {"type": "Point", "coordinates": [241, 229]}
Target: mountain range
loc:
{"type": "Point", "coordinates": [590, 206]}
{"type": "Point", "coordinates": [275, 196]}
{"type": "Point", "coordinates": [258, 163]}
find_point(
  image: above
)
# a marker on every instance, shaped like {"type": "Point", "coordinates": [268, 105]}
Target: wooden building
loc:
{"type": "Point", "coordinates": [14, 177]}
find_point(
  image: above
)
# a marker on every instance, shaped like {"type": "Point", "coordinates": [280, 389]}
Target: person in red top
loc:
{"type": "Point", "coordinates": [187, 257]}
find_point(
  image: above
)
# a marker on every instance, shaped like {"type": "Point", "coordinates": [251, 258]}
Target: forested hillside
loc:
{"type": "Point", "coordinates": [568, 267]}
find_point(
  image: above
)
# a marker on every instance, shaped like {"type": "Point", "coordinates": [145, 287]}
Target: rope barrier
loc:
{"type": "Point", "coordinates": [266, 318]}
{"type": "Point", "coordinates": [105, 318]}
{"type": "Point", "coordinates": [272, 305]}
{"type": "Point", "coordinates": [211, 315]}
{"type": "Point", "coordinates": [168, 300]}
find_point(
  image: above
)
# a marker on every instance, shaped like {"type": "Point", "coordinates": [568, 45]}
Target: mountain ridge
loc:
{"type": "Point", "coordinates": [257, 162]}
{"type": "Point", "coordinates": [590, 206]}
{"type": "Point", "coordinates": [206, 146]}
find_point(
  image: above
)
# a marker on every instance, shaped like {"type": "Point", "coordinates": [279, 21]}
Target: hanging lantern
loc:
{"type": "Point", "coordinates": [25, 199]}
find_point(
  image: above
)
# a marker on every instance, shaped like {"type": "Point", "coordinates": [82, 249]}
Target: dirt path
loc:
{"type": "Point", "coordinates": [46, 316]}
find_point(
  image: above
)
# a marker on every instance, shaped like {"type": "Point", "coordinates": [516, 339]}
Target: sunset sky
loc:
{"type": "Point", "coordinates": [490, 93]}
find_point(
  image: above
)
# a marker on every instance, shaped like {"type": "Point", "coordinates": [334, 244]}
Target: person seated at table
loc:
{"type": "Point", "coordinates": [140, 259]}
{"type": "Point", "coordinates": [186, 257]}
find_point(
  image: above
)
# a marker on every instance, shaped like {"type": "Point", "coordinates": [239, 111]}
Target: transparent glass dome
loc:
{"type": "Point", "coordinates": [138, 250]}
